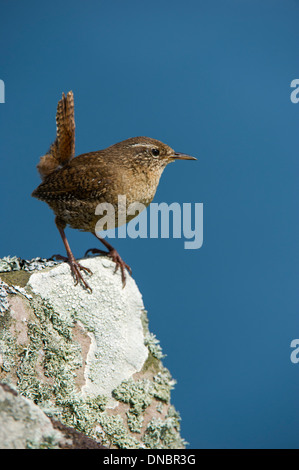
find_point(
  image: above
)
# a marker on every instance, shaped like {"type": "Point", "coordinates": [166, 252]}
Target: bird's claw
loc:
{"type": "Point", "coordinates": [117, 260]}
{"type": "Point", "coordinates": [75, 268]}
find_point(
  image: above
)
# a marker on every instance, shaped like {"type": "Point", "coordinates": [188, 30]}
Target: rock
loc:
{"type": "Point", "coordinates": [85, 359]}
{"type": "Point", "coordinates": [24, 426]}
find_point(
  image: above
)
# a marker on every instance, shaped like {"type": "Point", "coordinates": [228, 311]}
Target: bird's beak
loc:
{"type": "Point", "coordinates": [182, 156]}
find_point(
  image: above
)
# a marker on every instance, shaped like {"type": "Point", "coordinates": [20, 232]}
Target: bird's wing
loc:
{"type": "Point", "coordinates": [81, 179]}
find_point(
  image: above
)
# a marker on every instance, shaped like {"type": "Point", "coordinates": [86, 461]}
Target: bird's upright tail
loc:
{"type": "Point", "coordinates": [63, 148]}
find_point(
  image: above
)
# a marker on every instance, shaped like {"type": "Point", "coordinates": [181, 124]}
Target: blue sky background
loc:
{"type": "Point", "coordinates": [211, 79]}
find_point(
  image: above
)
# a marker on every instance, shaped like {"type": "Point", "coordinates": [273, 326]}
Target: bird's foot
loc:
{"type": "Point", "coordinates": [117, 260]}
{"type": "Point", "coordinates": [75, 268]}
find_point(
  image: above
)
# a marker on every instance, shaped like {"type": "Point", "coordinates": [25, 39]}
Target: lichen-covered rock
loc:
{"type": "Point", "coordinates": [23, 425]}
{"type": "Point", "coordinates": [86, 359]}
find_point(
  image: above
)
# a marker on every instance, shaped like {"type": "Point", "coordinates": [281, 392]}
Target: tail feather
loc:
{"type": "Point", "coordinates": [63, 148]}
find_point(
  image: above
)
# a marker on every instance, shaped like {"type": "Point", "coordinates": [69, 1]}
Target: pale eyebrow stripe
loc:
{"type": "Point", "coordinates": [143, 145]}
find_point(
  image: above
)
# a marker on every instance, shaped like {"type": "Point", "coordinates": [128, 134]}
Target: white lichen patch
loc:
{"type": "Point", "coordinates": [111, 316]}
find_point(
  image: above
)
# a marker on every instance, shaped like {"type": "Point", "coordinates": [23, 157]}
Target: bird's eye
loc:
{"type": "Point", "coordinates": [155, 152]}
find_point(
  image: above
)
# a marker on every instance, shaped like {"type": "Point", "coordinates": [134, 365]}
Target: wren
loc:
{"type": "Point", "coordinates": [74, 186]}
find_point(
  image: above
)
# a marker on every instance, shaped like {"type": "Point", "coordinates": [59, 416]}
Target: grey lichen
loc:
{"type": "Point", "coordinates": [16, 271]}
{"type": "Point", "coordinates": [13, 263]}
{"type": "Point", "coordinates": [164, 434]}
{"type": "Point", "coordinates": [52, 351]}
{"type": "Point", "coordinates": [113, 432]}
{"type": "Point", "coordinates": [4, 304]}
{"type": "Point", "coordinates": [154, 346]}
{"type": "Point", "coordinates": [139, 395]}
{"type": "Point", "coordinates": [49, 442]}
{"type": "Point", "coordinates": [8, 351]}
{"type": "Point", "coordinates": [82, 414]}
{"type": "Point", "coordinates": [10, 264]}
{"type": "Point", "coordinates": [135, 422]}
{"type": "Point", "coordinates": [163, 383]}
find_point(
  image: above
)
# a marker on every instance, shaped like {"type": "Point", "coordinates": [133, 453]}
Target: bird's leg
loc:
{"type": "Point", "coordinates": [75, 266]}
{"type": "Point", "coordinates": [113, 254]}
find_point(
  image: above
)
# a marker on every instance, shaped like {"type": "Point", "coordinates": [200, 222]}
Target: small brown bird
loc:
{"type": "Point", "coordinates": [73, 187]}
